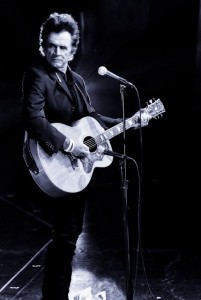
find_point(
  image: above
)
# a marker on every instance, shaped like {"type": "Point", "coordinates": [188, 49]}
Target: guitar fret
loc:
{"type": "Point", "coordinates": [118, 129]}
{"type": "Point", "coordinates": [107, 134]}
{"type": "Point", "coordinates": [130, 123]}
{"type": "Point", "coordinates": [100, 139]}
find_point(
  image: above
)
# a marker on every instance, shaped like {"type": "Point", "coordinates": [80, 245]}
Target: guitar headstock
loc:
{"type": "Point", "coordinates": [155, 108]}
{"type": "Point", "coordinates": [141, 118]}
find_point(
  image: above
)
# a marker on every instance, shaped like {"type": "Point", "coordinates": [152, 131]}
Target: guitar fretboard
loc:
{"type": "Point", "coordinates": [114, 131]}
{"type": "Point", "coordinates": [153, 109]}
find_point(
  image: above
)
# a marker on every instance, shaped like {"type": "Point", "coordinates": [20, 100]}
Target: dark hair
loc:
{"type": "Point", "coordinates": [56, 23]}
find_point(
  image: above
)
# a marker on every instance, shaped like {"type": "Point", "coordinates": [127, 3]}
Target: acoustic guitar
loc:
{"type": "Point", "coordinates": [61, 173]}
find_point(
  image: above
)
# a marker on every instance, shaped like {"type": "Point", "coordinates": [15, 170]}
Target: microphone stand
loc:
{"type": "Point", "coordinates": [125, 203]}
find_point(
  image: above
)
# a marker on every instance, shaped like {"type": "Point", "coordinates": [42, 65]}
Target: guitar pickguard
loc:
{"type": "Point", "coordinates": [93, 157]}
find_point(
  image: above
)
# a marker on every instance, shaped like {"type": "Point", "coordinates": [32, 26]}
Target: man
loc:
{"type": "Point", "coordinates": [53, 93]}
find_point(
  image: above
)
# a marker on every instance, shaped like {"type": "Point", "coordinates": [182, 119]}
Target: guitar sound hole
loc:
{"type": "Point", "coordinates": [91, 143]}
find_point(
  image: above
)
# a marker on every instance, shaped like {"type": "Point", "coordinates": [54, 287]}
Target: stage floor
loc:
{"type": "Point", "coordinates": [102, 267]}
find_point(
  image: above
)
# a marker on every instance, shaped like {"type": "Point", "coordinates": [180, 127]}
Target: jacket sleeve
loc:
{"type": "Point", "coordinates": [33, 103]}
{"type": "Point", "coordinates": [109, 122]}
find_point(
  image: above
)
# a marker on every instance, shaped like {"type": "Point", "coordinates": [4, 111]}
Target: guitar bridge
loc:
{"type": "Point", "coordinates": [73, 160]}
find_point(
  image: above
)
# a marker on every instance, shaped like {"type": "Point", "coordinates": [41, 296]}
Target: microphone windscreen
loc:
{"type": "Point", "coordinates": [102, 70]}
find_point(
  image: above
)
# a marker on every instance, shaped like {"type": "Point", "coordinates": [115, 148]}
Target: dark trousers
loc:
{"type": "Point", "coordinates": [67, 220]}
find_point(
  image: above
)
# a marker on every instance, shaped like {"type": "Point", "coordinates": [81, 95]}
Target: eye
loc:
{"type": "Point", "coordinates": [64, 48]}
{"type": "Point", "coordinates": [51, 46]}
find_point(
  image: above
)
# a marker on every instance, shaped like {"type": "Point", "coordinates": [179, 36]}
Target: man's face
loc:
{"type": "Point", "coordinates": [58, 50]}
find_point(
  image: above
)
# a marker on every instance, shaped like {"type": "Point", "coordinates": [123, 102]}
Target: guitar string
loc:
{"type": "Point", "coordinates": [91, 143]}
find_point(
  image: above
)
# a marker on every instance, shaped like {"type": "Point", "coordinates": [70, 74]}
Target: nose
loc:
{"type": "Point", "coordinates": [57, 50]}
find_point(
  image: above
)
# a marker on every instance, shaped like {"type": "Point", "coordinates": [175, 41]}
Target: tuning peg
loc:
{"type": "Point", "coordinates": [158, 116]}
{"type": "Point", "coordinates": [149, 102]}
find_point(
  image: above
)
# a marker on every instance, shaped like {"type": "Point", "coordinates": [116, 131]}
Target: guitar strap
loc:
{"type": "Point", "coordinates": [90, 109]}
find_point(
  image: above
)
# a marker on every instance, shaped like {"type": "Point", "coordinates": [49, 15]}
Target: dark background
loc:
{"type": "Point", "coordinates": [155, 45]}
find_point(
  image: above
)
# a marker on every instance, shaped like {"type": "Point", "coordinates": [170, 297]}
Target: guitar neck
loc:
{"type": "Point", "coordinates": [153, 109]}
{"type": "Point", "coordinates": [114, 131]}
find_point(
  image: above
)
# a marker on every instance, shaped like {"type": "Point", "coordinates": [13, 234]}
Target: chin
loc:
{"type": "Point", "coordinates": [56, 65]}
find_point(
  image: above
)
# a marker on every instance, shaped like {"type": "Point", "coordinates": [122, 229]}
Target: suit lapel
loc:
{"type": "Point", "coordinates": [61, 82]}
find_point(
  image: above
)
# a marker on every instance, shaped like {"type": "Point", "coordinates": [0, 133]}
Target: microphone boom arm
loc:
{"type": "Point", "coordinates": [116, 154]}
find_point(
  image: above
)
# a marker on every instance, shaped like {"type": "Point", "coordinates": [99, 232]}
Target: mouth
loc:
{"type": "Point", "coordinates": [56, 59]}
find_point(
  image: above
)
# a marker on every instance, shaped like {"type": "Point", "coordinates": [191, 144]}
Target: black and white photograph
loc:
{"type": "Point", "coordinates": [100, 105]}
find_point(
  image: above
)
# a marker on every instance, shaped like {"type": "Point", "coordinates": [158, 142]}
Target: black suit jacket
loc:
{"type": "Point", "coordinates": [46, 98]}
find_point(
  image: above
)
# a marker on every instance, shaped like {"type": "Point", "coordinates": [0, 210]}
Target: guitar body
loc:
{"type": "Point", "coordinates": [58, 174]}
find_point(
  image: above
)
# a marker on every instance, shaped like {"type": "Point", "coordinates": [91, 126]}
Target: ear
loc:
{"type": "Point", "coordinates": [70, 57]}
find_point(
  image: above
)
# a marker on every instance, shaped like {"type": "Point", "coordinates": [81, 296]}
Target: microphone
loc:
{"type": "Point", "coordinates": [116, 154]}
{"type": "Point", "coordinates": [103, 71]}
